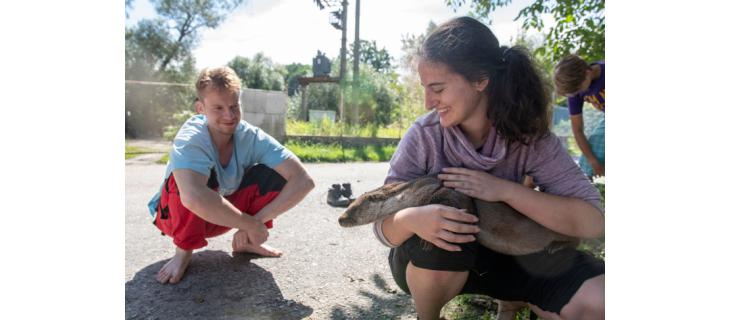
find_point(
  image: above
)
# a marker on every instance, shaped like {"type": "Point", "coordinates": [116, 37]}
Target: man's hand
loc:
{"type": "Point", "coordinates": [240, 240]}
{"type": "Point", "coordinates": [257, 234]}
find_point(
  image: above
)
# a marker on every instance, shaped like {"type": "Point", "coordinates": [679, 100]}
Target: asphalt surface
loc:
{"type": "Point", "coordinates": [326, 272]}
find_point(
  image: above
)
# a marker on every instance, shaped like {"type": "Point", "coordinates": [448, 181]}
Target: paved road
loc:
{"type": "Point", "coordinates": [327, 272]}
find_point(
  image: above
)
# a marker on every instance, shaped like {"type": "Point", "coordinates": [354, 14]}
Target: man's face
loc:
{"type": "Point", "coordinates": [222, 109]}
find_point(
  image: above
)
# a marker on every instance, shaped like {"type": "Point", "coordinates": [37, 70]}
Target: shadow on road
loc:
{"type": "Point", "coordinates": [389, 303]}
{"type": "Point", "coordinates": [216, 286]}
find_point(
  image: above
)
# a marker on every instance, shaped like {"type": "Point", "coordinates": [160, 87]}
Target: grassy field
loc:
{"type": "Point", "coordinates": [132, 151]}
{"type": "Point", "coordinates": [310, 152]}
{"type": "Point", "coordinates": [333, 129]}
{"type": "Point", "coordinates": [164, 159]}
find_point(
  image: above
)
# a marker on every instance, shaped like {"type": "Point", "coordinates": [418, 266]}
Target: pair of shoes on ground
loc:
{"type": "Point", "coordinates": [340, 195]}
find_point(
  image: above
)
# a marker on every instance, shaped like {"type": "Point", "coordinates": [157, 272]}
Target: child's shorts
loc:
{"type": "Point", "coordinates": [259, 186]}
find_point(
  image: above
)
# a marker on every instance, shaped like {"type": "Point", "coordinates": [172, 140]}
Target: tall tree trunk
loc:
{"type": "Point", "coordinates": [184, 31]}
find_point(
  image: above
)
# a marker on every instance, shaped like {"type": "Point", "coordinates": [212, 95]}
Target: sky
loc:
{"type": "Point", "coordinates": [290, 31]}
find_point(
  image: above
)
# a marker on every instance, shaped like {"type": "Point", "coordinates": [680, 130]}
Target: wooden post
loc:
{"type": "Point", "coordinates": [342, 104]}
{"type": "Point", "coordinates": [303, 109]}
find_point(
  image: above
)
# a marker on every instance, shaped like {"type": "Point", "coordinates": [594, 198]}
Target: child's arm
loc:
{"type": "Point", "coordinates": [298, 184]}
{"type": "Point", "coordinates": [576, 122]}
{"type": "Point", "coordinates": [211, 207]}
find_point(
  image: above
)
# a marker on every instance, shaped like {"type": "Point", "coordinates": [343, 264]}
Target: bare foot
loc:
{"type": "Point", "coordinates": [174, 269]}
{"type": "Point", "coordinates": [262, 250]}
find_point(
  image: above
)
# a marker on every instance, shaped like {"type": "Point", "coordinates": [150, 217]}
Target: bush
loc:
{"type": "Point", "coordinates": [149, 109]}
{"type": "Point", "coordinates": [178, 118]}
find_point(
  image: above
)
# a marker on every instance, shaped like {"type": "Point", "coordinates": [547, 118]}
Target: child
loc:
{"type": "Point", "coordinates": [487, 131]}
{"type": "Point", "coordinates": [579, 81]}
{"type": "Point", "coordinates": [223, 173]}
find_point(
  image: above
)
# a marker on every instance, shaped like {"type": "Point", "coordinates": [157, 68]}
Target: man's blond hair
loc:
{"type": "Point", "coordinates": [221, 79]}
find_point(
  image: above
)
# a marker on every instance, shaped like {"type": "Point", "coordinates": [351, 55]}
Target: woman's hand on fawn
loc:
{"type": "Point", "coordinates": [476, 184]}
{"type": "Point", "coordinates": [441, 225]}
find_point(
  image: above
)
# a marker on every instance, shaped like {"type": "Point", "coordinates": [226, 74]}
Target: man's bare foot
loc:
{"type": "Point", "coordinates": [262, 250]}
{"type": "Point", "coordinates": [174, 269]}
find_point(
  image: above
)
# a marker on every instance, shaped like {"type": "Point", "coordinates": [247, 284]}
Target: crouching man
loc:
{"type": "Point", "coordinates": [223, 174]}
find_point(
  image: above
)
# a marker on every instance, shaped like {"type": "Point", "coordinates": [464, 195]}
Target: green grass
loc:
{"type": "Point", "coordinates": [475, 307]}
{"type": "Point", "coordinates": [329, 128]}
{"type": "Point", "coordinates": [315, 152]}
{"type": "Point", "coordinates": [164, 159]}
{"type": "Point", "coordinates": [132, 151]}
{"type": "Point", "coordinates": [573, 148]}
{"type": "Point", "coordinates": [307, 152]}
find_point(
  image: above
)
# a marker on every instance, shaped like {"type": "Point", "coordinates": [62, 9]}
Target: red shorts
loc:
{"type": "Point", "coordinates": [260, 186]}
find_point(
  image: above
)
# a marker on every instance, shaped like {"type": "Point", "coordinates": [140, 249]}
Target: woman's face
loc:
{"type": "Point", "coordinates": [455, 99]}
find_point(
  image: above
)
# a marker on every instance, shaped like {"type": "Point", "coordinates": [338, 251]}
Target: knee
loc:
{"type": "Point", "coordinates": [592, 309]}
{"type": "Point", "coordinates": [589, 302]}
{"type": "Point", "coordinates": [436, 277]}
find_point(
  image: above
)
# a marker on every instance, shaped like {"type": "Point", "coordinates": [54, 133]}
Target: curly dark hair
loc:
{"type": "Point", "coordinates": [517, 94]}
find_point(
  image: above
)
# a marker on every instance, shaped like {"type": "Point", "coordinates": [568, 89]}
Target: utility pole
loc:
{"type": "Point", "coordinates": [356, 64]}
{"type": "Point", "coordinates": [343, 49]}
{"type": "Point", "coordinates": [356, 51]}
{"type": "Point", "coordinates": [343, 59]}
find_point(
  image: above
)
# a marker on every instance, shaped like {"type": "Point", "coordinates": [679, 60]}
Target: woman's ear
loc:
{"type": "Point", "coordinates": [482, 84]}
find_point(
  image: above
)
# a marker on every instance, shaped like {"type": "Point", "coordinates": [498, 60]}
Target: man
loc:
{"type": "Point", "coordinates": [223, 174]}
{"type": "Point", "coordinates": [581, 82]}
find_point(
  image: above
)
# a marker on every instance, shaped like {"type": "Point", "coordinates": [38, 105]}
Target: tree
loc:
{"type": "Point", "coordinates": [291, 78]}
{"type": "Point", "coordinates": [259, 72]}
{"type": "Point", "coordinates": [409, 91]}
{"type": "Point", "coordinates": [127, 6]}
{"type": "Point", "coordinates": [166, 42]}
{"type": "Point", "coordinates": [160, 49]}
{"type": "Point", "coordinates": [378, 59]}
{"type": "Point", "coordinates": [410, 44]}
{"type": "Point", "coordinates": [326, 3]}
{"type": "Point", "coordinates": [580, 24]}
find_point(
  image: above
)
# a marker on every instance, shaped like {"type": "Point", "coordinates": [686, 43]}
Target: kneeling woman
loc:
{"type": "Point", "coordinates": [487, 130]}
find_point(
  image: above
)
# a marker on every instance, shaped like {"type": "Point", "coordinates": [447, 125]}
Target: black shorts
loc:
{"type": "Point", "coordinates": [543, 279]}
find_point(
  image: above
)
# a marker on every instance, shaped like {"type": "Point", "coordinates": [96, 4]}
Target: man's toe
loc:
{"type": "Point", "coordinates": [163, 276]}
{"type": "Point", "coordinates": [176, 278]}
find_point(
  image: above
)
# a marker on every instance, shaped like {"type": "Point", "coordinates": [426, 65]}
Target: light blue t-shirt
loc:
{"type": "Point", "coordinates": [193, 149]}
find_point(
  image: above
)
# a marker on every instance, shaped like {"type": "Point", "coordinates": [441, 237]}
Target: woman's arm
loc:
{"type": "Point", "coordinates": [434, 223]}
{"type": "Point", "coordinates": [566, 215]}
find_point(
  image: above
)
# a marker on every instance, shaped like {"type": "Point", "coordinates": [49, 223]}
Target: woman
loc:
{"type": "Point", "coordinates": [488, 129]}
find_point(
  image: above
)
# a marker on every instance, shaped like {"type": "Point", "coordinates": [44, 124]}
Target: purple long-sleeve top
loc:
{"type": "Point", "coordinates": [427, 148]}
